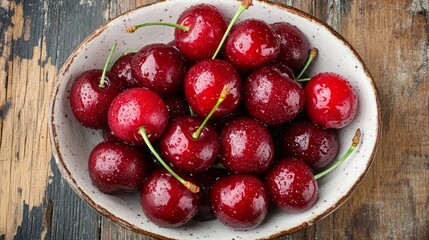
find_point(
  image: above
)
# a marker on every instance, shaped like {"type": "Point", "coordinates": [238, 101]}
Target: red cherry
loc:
{"type": "Point", "coordinates": [115, 167]}
{"type": "Point", "coordinates": [314, 145]}
{"type": "Point", "coordinates": [160, 68]}
{"type": "Point", "coordinates": [272, 97]}
{"type": "Point", "coordinates": [122, 68]}
{"type": "Point", "coordinates": [89, 102]}
{"type": "Point", "coordinates": [166, 201]}
{"type": "Point", "coordinates": [136, 108]}
{"type": "Point", "coordinates": [185, 152]}
{"type": "Point", "coordinates": [331, 100]}
{"type": "Point", "coordinates": [176, 106]}
{"type": "Point", "coordinates": [251, 43]}
{"type": "Point", "coordinates": [247, 146]}
{"type": "Point", "coordinates": [204, 83]}
{"type": "Point", "coordinates": [206, 28]}
{"type": "Point", "coordinates": [240, 201]}
{"type": "Point", "coordinates": [294, 46]}
{"type": "Point", "coordinates": [291, 185]}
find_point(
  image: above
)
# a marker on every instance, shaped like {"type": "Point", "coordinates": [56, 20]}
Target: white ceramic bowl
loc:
{"type": "Point", "coordinates": [72, 143]}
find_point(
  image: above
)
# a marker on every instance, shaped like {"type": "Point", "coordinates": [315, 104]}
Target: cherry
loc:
{"type": "Point", "coordinates": [135, 108]}
{"type": "Point", "coordinates": [291, 185]}
{"type": "Point", "coordinates": [247, 146]}
{"type": "Point", "coordinates": [331, 100]}
{"type": "Point", "coordinates": [251, 43]}
{"type": "Point", "coordinates": [294, 46]}
{"type": "Point", "coordinates": [239, 201]}
{"type": "Point", "coordinates": [122, 68]}
{"type": "Point", "coordinates": [186, 153]}
{"type": "Point", "coordinates": [115, 167]}
{"type": "Point", "coordinates": [166, 202]}
{"type": "Point", "coordinates": [206, 28]}
{"type": "Point", "coordinates": [271, 96]}
{"type": "Point", "coordinates": [160, 68]}
{"type": "Point", "coordinates": [314, 145]}
{"type": "Point", "coordinates": [205, 81]}
{"type": "Point", "coordinates": [91, 94]}
{"type": "Point", "coordinates": [176, 106]}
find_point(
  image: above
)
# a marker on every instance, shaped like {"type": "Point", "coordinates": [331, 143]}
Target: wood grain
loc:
{"type": "Point", "coordinates": [392, 37]}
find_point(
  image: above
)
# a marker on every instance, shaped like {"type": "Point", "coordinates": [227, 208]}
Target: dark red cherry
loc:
{"type": "Point", "coordinates": [177, 106]}
{"type": "Point", "coordinates": [314, 145]}
{"type": "Point", "coordinates": [135, 108]}
{"type": "Point", "coordinates": [331, 100]}
{"type": "Point", "coordinates": [206, 28]}
{"type": "Point", "coordinates": [251, 43]}
{"type": "Point", "coordinates": [247, 146]}
{"type": "Point", "coordinates": [166, 202]}
{"type": "Point", "coordinates": [206, 180]}
{"type": "Point", "coordinates": [272, 97]}
{"type": "Point", "coordinates": [160, 68]}
{"type": "Point", "coordinates": [240, 201]}
{"type": "Point", "coordinates": [294, 46]}
{"type": "Point", "coordinates": [291, 185]}
{"type": "Point", "coordinates": [185, 152]}
{"type": "Point", "coordinates": [204, 83]}
{"type": "Point", "coordinates": [89, 102]}
{"type": "Point", "coordinates": [122, 68]}
{"type": "Point", "coordinates": [116, 167]}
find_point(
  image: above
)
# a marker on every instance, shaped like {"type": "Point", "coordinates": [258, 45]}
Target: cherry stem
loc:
{"type": "Point", "coordinates": [303, 80]}
{"type": "Point", "coordinates": [123, 54]}
{"type": "Point", "coordinates": [225, 91]}
{"type": "Point", "coordinates": [191, 112]}
{"type": "Point", "coordinates": [245, 4]}
{"type": "Point", "coordinates": [190, 186]}
{"type": "Point", "coordinates": [311, 56]}
{"type": "Point", "coordinates": [355, 142]}
{"type": "Point", "coordinates": [134, 28]}
{"type": "Point", "coordinates": [103, 75]}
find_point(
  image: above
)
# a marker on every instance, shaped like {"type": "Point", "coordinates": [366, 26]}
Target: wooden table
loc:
{"type": "Point", "coordinates": [36, 37]}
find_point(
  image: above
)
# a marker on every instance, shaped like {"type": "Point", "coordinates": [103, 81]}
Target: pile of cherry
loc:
{"type": "Point", "coordinates": [215, 124]}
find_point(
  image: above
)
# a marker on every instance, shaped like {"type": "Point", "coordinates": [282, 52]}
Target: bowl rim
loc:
{"type": "Point", "coordinates": [65, 172]}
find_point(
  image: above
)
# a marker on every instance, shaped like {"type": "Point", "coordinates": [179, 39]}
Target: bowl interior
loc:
{"type": "Point", "coordinates": [73, 143]}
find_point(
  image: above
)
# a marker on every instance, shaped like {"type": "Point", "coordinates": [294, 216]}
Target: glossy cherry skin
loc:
{"type": "Point", "coordinates": [247, 146]}
{"type": "Point", "coordinates": [89, 102]}
{"type": "Point", "coordinates": [310, 143]}
{"type": "Point", "coordinates": [240, 201]}
{"type": "Point", "coordinates": [294, 46]}
{"type": "Point", "coordinates": [272, 97]}
{"type": "Point", "coordinates": [206, 180]}
{"type": "Point", "coordinates": [160, 68]}
{"type": "Point", "coordinates": [122, 68]}
{"type": "Point", "coordinates": [116, 167]}
{"type": "Point", "coordinates": [186, 153]}
{"type": "Point", "coordinates": [291, 185]}
{"type": "Point", "coordinates": [206, 28]}
{"type": "Point", "coordinates": [204, 83]}
{"type": "Point", "coordinates": [166, 202]}
{"type": "Point", "coordinates": [251, 43]}
{"type": "Point", "coordinates": [331, 100]}
{"type": "Point", "coordinates": [135, 108]}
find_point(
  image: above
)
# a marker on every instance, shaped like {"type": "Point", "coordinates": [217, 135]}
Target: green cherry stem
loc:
{"type": "Point", "coordinates": [190, 186]}
{"type": "Point", "coordinates": [355, 142]}
{"type": "Point", "coordinates": [135, 27]}
{"type": "Point", "coordinates": [123, 54]}
{"type": "Point", "coordinates": [245, 4]}
{"type": "Point", "coordinates": [103, 75]}
{"type": "Point", "coordinates": [225, 91]}
{"type": "Point", "coordinates": [311, 56]}
{"type": "Point", "coordinates": [303, 80]}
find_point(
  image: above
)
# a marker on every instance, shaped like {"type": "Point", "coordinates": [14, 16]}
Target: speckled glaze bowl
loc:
{"type": "Point", "coordinates": [72, 143]}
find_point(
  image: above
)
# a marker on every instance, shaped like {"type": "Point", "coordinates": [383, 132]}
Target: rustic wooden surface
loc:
{"type": "Point", "coordinates": [36, 36]}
